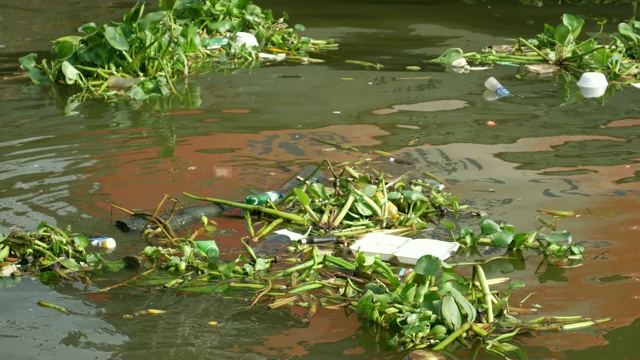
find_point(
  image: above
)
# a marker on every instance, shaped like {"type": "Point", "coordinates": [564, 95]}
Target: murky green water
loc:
{"type": "Point", "coordinates": [550, 149]}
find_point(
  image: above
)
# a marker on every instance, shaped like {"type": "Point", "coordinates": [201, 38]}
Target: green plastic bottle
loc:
{"type": "Point", "coordinates": [261, 199]}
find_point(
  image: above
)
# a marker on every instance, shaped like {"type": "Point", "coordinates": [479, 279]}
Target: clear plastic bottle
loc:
{"type": "Point", "coordinates": [263, 198]}
{"type": "Point", "coordinates": [495, 86]}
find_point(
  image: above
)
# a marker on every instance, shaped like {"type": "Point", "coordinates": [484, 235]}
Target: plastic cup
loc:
{"type": "Point", "coordinates": [592, 84]}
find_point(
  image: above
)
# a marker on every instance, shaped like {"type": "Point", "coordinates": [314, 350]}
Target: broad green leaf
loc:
{"type": "Point", "coordinates": [70, 73]}
{"type": "Point", "coordinates": [462, 301]}
{"type": "Point", "coordinates": [70, 264]}
{"type": "Point", "coordinates": [502, 239]}
{"type": "Point", "coordinates": [394, 195]}
{"type": "Point", "coordinates": [563, 35]}
{"type": "Point", "coordinates": [447, 224]}
{"type": "Point", "coordinates": [574, 24]}
{"type": "Point", "coordinates": [133, 15]}
{"type": "Point", "coordinates": [408, 293]}
{"type": "Point", "coordinates": [515, 285]}
{"type": "Point", "coordinates": [449, 56]}
{"type": "Point", "coordinates": [37, 77]}
{"type": "Point", "coordinates": [115, 37]}
{"type": "Point", "coordinates": [4, 252]}
{"type": "Point", "coordinates": [88, 28]}
{"type": "Point", "coordinates": [137, 93]}
{"type": "Point", "coordinates": [151, 19]}
{"type": "Point", "coordinates": [370, 191]}
{"type": "Point", "coordinates": [489, 227]}
{"type": "Point", "coordinates": [318, 191]}
{"type": "Point", "coordinates": [412, 196]}
{"type": "Point", "coordinates": [81, 241]}
{"type": "Point", "coordinates": [64, 49]}
{"type": "Point", "coordinates": [28, 61]}
{"type": "Point", "coordinates": [518, 240]}
{"type": "Point", "coordinates": [363, 208]}
{"type": "Point", "coordinates": [302, 196]}
{"type": "Point", "coordinates": [262, 264]}
{"type": "Point", "coordinates": [167, 5]}
{"type": "Point", "coordinates": [558, 236]}
{"type": "Point", "coordinates": [450, 313]}
{"type": "Point", "coordinates": [427, 265]}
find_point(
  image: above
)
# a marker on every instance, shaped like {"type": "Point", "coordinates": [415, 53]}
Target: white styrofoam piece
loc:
{"type": "Point", "coordinates": [410, 252]}
{"type": "Point", "coordinates": [380, 244]}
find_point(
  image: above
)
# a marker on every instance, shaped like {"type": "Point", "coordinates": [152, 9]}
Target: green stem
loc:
{"type": "Point", "coordinates": [344, 211]}
{"type": "Point", "coordinates": [486, 292]}
{"type": "Point", "coordinates": [291, 217]}
{"type": "Point", "coordinates": [534, 49]}
{"type": "Point", "coordinates": [454, 335]}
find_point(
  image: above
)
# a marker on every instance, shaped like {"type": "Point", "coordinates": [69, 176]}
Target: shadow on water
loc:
{"type": "Point", "coordinates": [249, 131]}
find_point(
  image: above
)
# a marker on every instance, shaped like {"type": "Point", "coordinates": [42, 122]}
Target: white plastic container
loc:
{"type": "Point", "coordinates": [592, 84]}
{"type": "Point", "coordinates": [246, 39]}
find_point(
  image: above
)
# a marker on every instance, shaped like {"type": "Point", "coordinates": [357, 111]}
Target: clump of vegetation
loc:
{"type": "Point", "coordinates": [145, 54]}
{"type": "Point", "coordinates": [618, 59]}
{"type": "Point", "coordinates": [436, 305]}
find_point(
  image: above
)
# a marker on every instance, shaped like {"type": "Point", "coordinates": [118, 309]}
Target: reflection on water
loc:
{"type": "Point", "coordinates": [550, 149]}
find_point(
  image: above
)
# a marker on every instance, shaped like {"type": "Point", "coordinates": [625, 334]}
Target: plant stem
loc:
{"type": "Point", "coordinates": [291, 217]}
{"type": "Point", "coordinates": [486, 292]}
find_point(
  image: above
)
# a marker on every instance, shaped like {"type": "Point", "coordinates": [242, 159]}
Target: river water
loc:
{"type": "Point", "coordinates": [238, 133]}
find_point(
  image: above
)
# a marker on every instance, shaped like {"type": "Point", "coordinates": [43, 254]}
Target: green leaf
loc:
{"type": "Point", "coordinates": [450, 313]}
{"type": "Point", "coordinates": [363, 209]}
{"type": "Point", "coordinates": [412, 196]}
{"type": "Point", "coordinates": [134, 14]}
{"type": "Point", "coordinates": [4, 252]}
{"type": "Point", "coordinates": [81, 241]}
{"type": "Point", "coordinates": [448, 224]}
{"type": "Point", "coordinates": [502, 239]}
{"type": "Point", "coordinates": [302, 197]}
{"type": "Point", "coordinates": [462, 301]}
{"type": "Point", "coordinates": [48, 277]}
{"type": "Point", "coordinates": [88, 28]}
{"type": "Point", "coordinates": [299, 27]}
{"type": "Point", "coordinates": [427, 265]}
{"type": "Point", "coordinates": [449, 56]}
{"type": "Point", "coordinates": [70, 73]}
{"type": "Point", "coordinates": [574, 24]}
{"type": "Point", "coordinates": [115, 37]}
{"type": "Point", "coordinates": [408, 293]}
{"type": "Point", "coordinates": [167, 5]}
{"type": "Point", "coordinates": [515, 285]}
{"type": "Point", "coordinates": [558, 236]}
{"type": "Point", "coordinates": [70, 264]}
{"type": "Point", "coordinates": [318, 191]}
{"type": "Point", "coordinates": [28, 61]}
{"type": "Point", "coordinates": [489, 227]}
{"type": "Point", "coordinates": [563, 35]}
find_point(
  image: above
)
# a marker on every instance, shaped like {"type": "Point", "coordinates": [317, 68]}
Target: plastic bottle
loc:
{"type": "Point", "coordinates": [495, 86]}
{"type": "Point", "coordinates": [103, 242]}
{"type": "Point", "coordinates": [263, 198]}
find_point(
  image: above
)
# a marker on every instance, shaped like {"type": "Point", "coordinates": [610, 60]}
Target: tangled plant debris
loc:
{"type": "Point", "coordinates": [439, 304]}
{"type": "Point", "coordinates": [560, 46]}
{"type": "Point", "coordinates": [146, 54]}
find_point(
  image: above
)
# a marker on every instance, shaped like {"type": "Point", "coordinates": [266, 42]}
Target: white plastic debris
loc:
{"type": "Point", "coordinates": [246, 39]}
